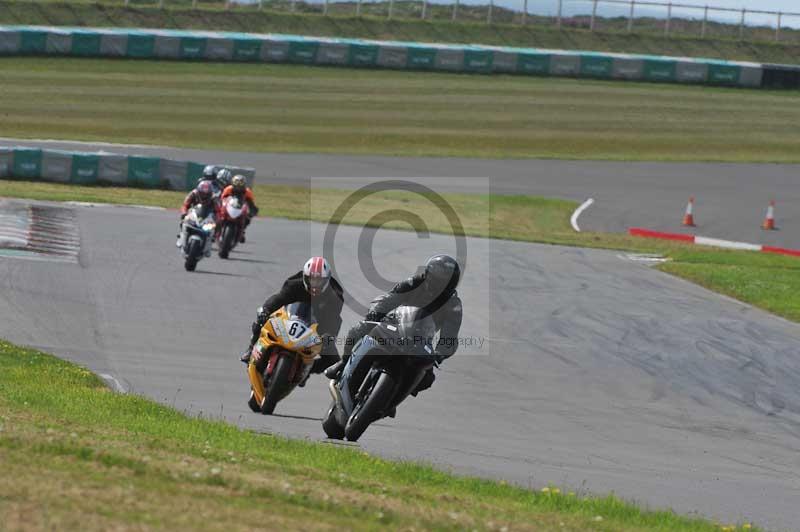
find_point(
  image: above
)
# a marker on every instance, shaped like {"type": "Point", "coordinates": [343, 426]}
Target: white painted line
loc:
{"type": "Point", "coordinates": [117, 386]}
{"type": "Point", "coordinates": [643, 257]}
{"type": "Point", "coordinates": [574, 219]}
{"type": "Point", "coordinates": [728, 244]}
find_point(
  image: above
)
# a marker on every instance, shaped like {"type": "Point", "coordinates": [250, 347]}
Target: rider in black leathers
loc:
{"type": "Point", "coordinates": [326, 302]}
{"type": "Point", "coordinates": [433, 290]}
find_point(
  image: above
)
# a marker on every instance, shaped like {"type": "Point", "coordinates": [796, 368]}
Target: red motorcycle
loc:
{"type": "Point", "coordinates": [232, 220]}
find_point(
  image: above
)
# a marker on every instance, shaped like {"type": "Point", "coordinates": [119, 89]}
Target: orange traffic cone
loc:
{"type": "Point", "coordinates": [769, 221]}
{"type": "Point", "coordinates": [688, 218]}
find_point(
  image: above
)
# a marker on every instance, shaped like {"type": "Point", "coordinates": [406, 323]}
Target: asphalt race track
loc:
{"type": "Point", "coordinates": [731, 198]}
{"type": "Point", "coordinates": [598, 373]}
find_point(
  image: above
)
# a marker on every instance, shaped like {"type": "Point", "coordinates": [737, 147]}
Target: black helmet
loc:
{"type": "Point", "coordinates": [442, 274]}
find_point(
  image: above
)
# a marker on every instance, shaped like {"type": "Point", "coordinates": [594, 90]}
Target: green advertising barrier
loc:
{"type": "Point", "coordinates": [478, 60]}
{"type": "Point", "coordinates": [86, 44]}
{"type": "Point", "coordinates": [33, 41]}
{"type": "Point", "coordinates": [81, 168]}
{"type": "Point", "coordinates": [141, 46]}
{"type": "Point", "coordinates": [303, 51]}
{"type": "Point", "coordinates": [27, 162]}
{"type": "Point", "coordinates": [722, 74]}
{"type": "Point", "coordinates": [659, 70]}
{"type": "Point", "coordinates": [596, 66]}
{"type": "Point", "coordinates": [192, 47]}
{"type": "Point", "coordinates": [363, 55]}
{"type": "Point", "coordinates": [84, 168]}
{"type": "Point", "coordinates": [531, 63]}
{"type": "Point", "coordinates": [143, 171]}
{"type": "Point", "coordinates": [421, 57]}
{"type": "Point", "coordinates": [246, 50]}
{"type": "Point", "coordinates": [224, 46]}
{"type": "Point", "coordinates": [193, 172]}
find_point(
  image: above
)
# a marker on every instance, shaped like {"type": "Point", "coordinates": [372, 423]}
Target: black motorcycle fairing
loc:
{"type": "Point", "coordinates": [400, 345]}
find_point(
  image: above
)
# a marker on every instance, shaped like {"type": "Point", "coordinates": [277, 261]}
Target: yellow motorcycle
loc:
{"type": "Point", "coordinates": [283, 355]}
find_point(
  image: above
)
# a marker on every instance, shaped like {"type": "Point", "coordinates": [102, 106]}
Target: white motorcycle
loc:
{"type": "Point", "coordinates": [197, 235]}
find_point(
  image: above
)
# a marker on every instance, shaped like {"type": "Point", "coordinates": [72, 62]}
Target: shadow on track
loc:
{"type": "Point", "coordinates": [224, 274]}
{"type": "Point", "coordinates": [257, 261]}
{"type": "Point", "coordinates": [306, 418]}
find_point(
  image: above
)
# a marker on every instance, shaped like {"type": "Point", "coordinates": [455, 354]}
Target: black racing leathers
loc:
{"type": "Point", "coordinates": [327, 307]}
{"type": "Point", "coordinates": [445, 309]}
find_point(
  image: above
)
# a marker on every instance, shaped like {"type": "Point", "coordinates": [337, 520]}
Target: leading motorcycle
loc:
{"type": "Point", "coordinates": [197, 230]}
{"type": "Point", "coordinates": [232, 221]}
{"type": "Point", "coordinates": [283, 355]}
{"type": "Point", "coordinates": [385, 367]}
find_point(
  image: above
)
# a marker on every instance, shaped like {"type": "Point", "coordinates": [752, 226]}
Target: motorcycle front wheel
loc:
{"type": "Point", "coordinates": [193, 255]}
{"type": "Point", "coordinates": [278, 384]}
{"type": "Point", "coordinates": [370, 408]}
{"type": "Point", "coordinates": [226, 241]}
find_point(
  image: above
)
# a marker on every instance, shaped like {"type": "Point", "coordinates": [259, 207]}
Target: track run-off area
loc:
{"type": "Point", "coordinates": [599, 373]}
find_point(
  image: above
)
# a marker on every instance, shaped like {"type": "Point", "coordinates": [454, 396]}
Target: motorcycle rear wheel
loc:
{"type": "Point", "coordinates": [371, 408]}
{"type": "Point", "coordinates": [278, 384]}
{"type": "Point", "coordinates": [331, 427]}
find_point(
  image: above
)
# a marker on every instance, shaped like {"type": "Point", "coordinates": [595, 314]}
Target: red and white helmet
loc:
{"type": "Point", "coordinates": [316, 275]}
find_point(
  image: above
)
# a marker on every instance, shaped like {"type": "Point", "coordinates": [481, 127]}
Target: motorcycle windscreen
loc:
{"type": "Point", "coordinates": [204, 211]}
{"type": "Point", "coordinates": [301, 311]}
{"type": "Point", "coordinates": [406, 330]}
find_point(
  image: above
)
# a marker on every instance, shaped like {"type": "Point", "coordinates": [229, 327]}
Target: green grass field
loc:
{"type": "Point", "coordinates": [648, 38]}
{"type": "Point", "coordinates": [771, 282]}
{"type": "Point", "coordinates": [76, 456]}
{"type": "Point", "coordinates": [284, 108]}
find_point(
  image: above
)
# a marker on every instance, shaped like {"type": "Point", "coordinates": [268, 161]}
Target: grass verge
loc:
{"type": "Point", "coordinates": [292, 108]}
{"type": "Point", "coordinates": [76, 456]}
{"type": "Point", "coordinates": [723, 41]}
{"type": "Point", "coordinates": [770, 282]}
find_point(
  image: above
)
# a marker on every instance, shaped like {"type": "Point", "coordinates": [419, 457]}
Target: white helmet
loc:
{"type": "Point", "coordinates": [316, 275]}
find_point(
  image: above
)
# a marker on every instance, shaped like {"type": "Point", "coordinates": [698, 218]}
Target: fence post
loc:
{"type": "Point", "coordinates": [358, 8]}
{"type": "Point", "coordinates": [455, 10]}
{"type": "Point", "coordinates": [260, 5]}
{"type": "Point", "coordinates": [669, 18]}
{"type": "Point", "coordinates": [489, 13]}
{"type": "Point", "coordinates": [741, 25]}
{"type": "Point", "coordinates": [325, 8]}
{"type": "Point", "coordinates": [594, 15]}
{"type": "Point", "coordinates": [630, 17]}
{"type": "Point", "coordinates": [160, 4]}
{"type": "Point", "coordinates": [193, 3]}
{"type": "Point", "coordinates": [391, 8]}
{"type": "Point", "coordinates": [778, 28]}
{"type": "Point", "coordinates": [705, 19]}
{"type": "Point", "coordinates": [424, 8]}
{"type": "Point", "coordinates": [294, 6]}
{"type": "Point", "coordinates": [558, 18]}
{"type": "Point", "coordinates": [525, 12]}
